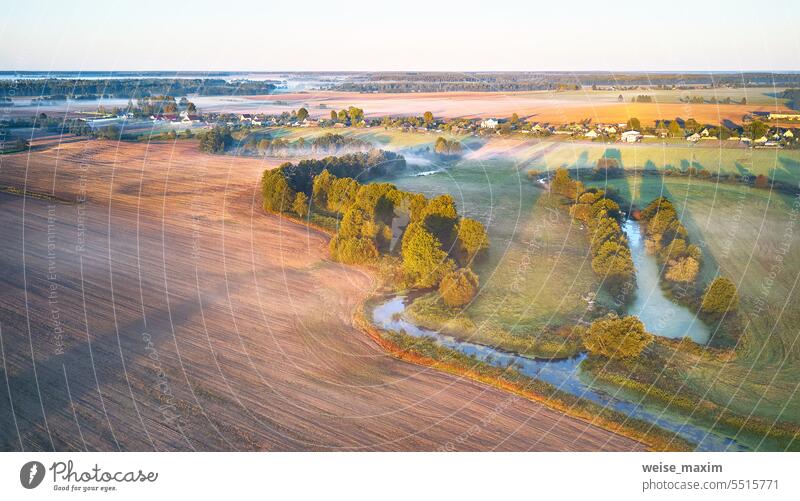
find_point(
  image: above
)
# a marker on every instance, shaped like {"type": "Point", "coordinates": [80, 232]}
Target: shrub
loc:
{"type": "Point", "coordinates": [614, 337]}
{"type": "Point", "coordinates": [720, 297]}
{"type": "Point", "coordinates": [352, 250]}
{"type": "Point", "coordinates": [457, 288]}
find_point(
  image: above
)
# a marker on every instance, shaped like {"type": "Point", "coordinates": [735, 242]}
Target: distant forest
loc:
{"type": "Point", "coordinates": [526, 81]}
{"type": "Point", "coordinates": [131, 87]}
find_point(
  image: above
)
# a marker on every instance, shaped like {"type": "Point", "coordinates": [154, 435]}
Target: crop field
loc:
{"type": "Point", "coordinates": [540, 106]}
{"type": "Point", "coordinates": [148, 303]}
{"type": "Point", "coordinates": [748, 235]}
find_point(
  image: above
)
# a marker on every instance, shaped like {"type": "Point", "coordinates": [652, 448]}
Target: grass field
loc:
{"type": "Point", "coordinates": [547, 154]}
{"type": "Point", "coordinates": [750, 236]}
{"type": "Point", "coordinates": [536, 276]}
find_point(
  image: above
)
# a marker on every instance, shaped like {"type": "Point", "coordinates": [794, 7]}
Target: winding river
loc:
{"type": "Point", "coordinates": [660, 315]}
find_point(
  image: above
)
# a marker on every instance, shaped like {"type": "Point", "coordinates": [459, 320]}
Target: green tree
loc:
{"type": "Point", "coordinates": [278, 196]}
{"type": "Point", "coordinates": [300, 205]}
{"type": "Point", "coordinates": [633, 124]}
{"type": "Point", "coordinates": [458, 287]}
{"type": "Point", "coordinates": [472, 238]}
{"type": "Point", "coordinates": [424, 262]}
{"type": "Point", "coordinates": [302, 114]}
{"type": "Point", "coordinates": [720, 297]}
{"type": "Point", "coordinates": [617, 338]}
{"type": "Point", "coordinates": [321, 187]}
{"type": "Point", "coordinates": [675, 129]}
{"type": "Point", "coordinates": [334, 116]}
{"type": "Point", "coordinates": [427, 118]}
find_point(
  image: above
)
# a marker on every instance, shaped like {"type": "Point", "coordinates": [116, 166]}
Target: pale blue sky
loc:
{"type": "Point", "coordinates": [404, 35]}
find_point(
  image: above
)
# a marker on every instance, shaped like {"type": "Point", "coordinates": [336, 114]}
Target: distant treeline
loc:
{"type": "Point", "coordinates": [131, 88]}
{"type": "Point", "coordinates": [793, 95]}
{"type": "Point", "coordinates": [524, 81]}
{"type": "Point", "coordinates": [327, 143]}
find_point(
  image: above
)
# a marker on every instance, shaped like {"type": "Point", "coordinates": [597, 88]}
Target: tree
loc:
{"type": "Point", "coordinates": [352, 250]}
{"type": "Point", "coordinates": [424, 261]}
{"type": "Point", "coordinates": [440, 218]}
{"type": "Point", "coordinates": [674, 129]}
{"type": "Point", "coordinates": [300, 205]}
{"type": "Point", "coordinates": [720, 297]}
{"type": "Point", "coordinates": [428, 118]}
{"type": "Point", "coordinates": [278, 196]}
{"type": "Point", "coordinates": [191, 108]}
{"type": "Point", "coordinates": [564, 185]}
{"type": "Point", "coordinates": [756, 129]}
{"type": "Point", "coordinates": [683, 270]}
{"type": "Point", "coordinates": [472, 238]}
{"type": "Point", "coordinates": [633, 124]}
{"type": "Point", "coordinates": [458, 287]}
{"type": "Point", "coordinates": [320, 188]}
{"type": "Point", "coordinates": [342, 194]}
{"type": "Point", "coordinates": [333, 115]}
{"type": "Point", "coordinates": [617, 338]}
{"type": "Point", "coordinates": [302, 114]}
{"type": "Point", "coordinates": [216, 140]}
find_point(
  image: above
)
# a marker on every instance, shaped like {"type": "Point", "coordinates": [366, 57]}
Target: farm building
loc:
{"type": "Point", "coordinates": [631, 136]}
{"type": "Point", "coordinates": [489, 123]}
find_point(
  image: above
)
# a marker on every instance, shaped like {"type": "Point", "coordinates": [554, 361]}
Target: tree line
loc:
{"type": "Point", "coordinates": [436, 245]}
{"type": "Point", "coordinates": [611, 257]}
{"type": "Point", "coordinates": [132, 87]}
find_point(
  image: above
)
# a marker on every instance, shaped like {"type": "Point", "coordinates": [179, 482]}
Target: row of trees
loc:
{"type": "Point", "coordinates": [611, 257]}
{"type": "Point", "coordinates": [668, 238]}
{"type": "Point", "coordinates": [351, 115]}
{"type": "Point", "coordinates": [446, 147]}
{"type": "Point", "coordinates": [327, 143]}
{"type": "Point", "coordinates": [215, 140]}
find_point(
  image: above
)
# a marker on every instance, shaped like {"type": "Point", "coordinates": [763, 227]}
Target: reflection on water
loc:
{"type": "Point", "coordinates": [562, 374]}
{"type": "Point", "coordinates": [659, 314]}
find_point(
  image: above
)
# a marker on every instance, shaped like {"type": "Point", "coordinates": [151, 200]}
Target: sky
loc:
{"type": "Point", "coordinates": [343, 35]}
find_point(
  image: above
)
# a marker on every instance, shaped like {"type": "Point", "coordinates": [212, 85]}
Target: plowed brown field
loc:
{"type": "Point", "coordinates": [168, 312]}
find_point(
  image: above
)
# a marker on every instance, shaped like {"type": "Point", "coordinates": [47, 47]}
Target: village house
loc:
{"type": "Point", "coordinates": [694, 137]}
{"type": "Point", "coordinates": [591, 134]}
{"type": "Point", "coordinates": [631, 136]}
{"type": "Point", "coordinates": [489, 123]}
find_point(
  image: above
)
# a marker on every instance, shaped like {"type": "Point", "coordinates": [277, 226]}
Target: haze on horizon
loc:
{"type": "Point", "coordinates": [424, 36]}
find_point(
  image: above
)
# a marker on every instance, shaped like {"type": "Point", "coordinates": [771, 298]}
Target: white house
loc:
{"type": "Point", "coordinates": [631, 136]}
{"type": "Point", "coordinates": [694, 137]}
{"type": "Point", "coordinates": [489, 123]}
{"type": "Point", "coordinates": [591, 134]}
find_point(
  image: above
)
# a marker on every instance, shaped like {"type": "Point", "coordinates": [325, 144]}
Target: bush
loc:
{"type": "Point", "coordinates": [720, 297]}
{"type": "Point", "coordinates": [616, 338]}
{"type": "Point", "coordinates": [352, 250]}
{"type": "Point", "coordinates": [457, 288]}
